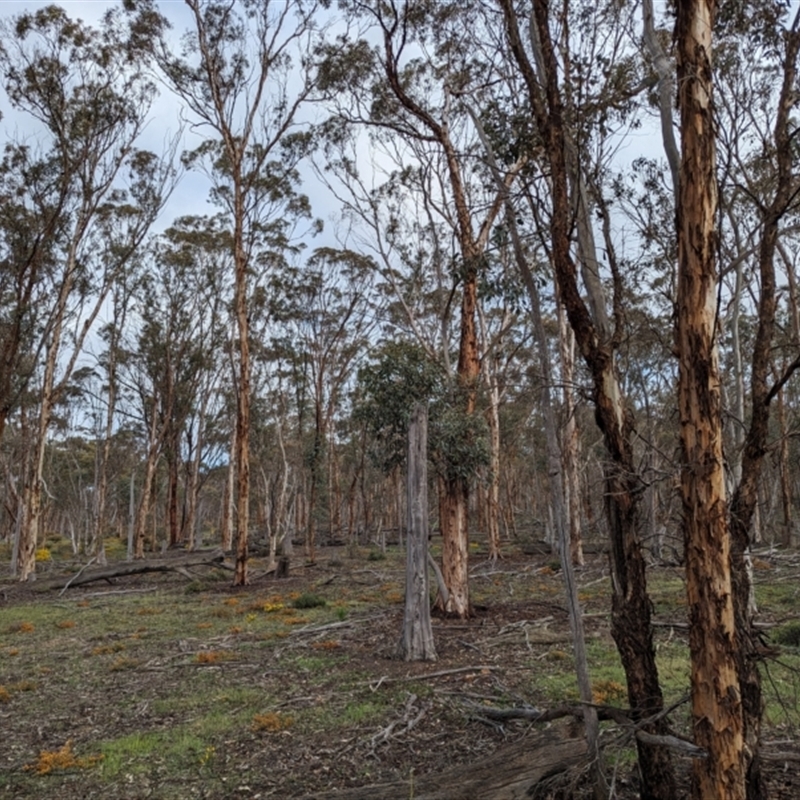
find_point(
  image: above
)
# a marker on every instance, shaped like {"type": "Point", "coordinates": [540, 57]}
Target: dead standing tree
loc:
{"type": "Point", "coordinates": [416, 643]}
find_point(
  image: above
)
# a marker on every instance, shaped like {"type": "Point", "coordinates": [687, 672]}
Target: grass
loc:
{"type": "Point", "coordinates": [199, 687]}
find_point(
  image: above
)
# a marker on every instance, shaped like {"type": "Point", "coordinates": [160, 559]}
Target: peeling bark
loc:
{"type": "Point", "coordinates": [716, 700]}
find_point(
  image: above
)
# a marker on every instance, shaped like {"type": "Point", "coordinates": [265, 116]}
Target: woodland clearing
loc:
{"type": "Point", "coordinates": [177, 685]}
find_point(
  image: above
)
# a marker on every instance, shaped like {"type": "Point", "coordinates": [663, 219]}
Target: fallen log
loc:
{"type": "Point", "coordinates": [124, 569]}
{"type": "Point", "coordinates": [510, 773]}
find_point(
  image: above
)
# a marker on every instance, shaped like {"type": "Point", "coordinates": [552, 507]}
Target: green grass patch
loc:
{"type": "Point", "coordinates": [309, 600]}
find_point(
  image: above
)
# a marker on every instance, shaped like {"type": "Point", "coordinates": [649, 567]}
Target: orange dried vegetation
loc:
{"type": "Point", "coordinates": [212, 656]}
{"type": "Point", "coordinates": [328, 644]}
{"type": "Point", "coordinates": [64, 758]}
{"type": "Point", "coordinates": [607, 692]}
{"type": "Point", "coordinates": [272, 721]}
{"type": "Point", "coordinates": [22, 627]}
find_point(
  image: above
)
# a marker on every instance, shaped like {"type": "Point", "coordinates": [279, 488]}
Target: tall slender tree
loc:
{"type": "Point", "coordinates": [716, 697]}
{"type": "Point", "coordinates": [243, 75]}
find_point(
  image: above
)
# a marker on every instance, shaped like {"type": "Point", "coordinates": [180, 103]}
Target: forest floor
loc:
{"type": "Point", "coordinates": [174, 686]}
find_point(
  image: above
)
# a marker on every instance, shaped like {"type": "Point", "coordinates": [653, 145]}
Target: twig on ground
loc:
{"type": "Point", "coordinates": [426, 675]}
{"type": "Point", "coordinates": [77, 574]}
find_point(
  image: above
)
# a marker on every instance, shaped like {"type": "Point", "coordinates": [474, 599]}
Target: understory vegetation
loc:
{"type": "Point", "coordinates": [170, 687]}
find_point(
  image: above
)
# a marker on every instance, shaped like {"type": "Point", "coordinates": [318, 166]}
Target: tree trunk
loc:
{"type": "Point", "coordinates": [570, 448]}
{"type": "Point", "coordinates": [785, 475]}
{"type": "Point", "coordinates": [716, 700]}
{"type": "Point", "coordinates": [173, 534]}
{"type": "Point", "coordinates": [243, 396]}
{"type": "Point", "coordinates": [416, 642]}
{"type": "Point", "coordinates": [453, 499]}
{"type": "Point", "coordinates": [147, 484]}
{"type": "Point", "coordinates": [631, 608]}
{"type": "Point", "coordinates": [228, 499]}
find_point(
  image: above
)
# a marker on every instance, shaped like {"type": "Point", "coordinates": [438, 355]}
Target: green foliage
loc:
{"type": "Point", "coordinates": [788, 634]}
{"type": "Point", "coordinates": [401, 375]}
{"type": "Point", "coordinates": [310, 600]}
{"type": "Point", "coordinates": [459, 441]}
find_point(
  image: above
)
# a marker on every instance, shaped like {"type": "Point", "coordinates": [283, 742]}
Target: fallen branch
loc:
{"type": "Point", "coordinates": [174, 564]}
{"type": "Point", "coordinates": [510, 772]}
{"type": "Point", "coordinates": [79, 573]}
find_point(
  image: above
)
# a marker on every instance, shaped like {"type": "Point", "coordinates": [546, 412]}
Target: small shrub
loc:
{"type": "Point", "coordinates": [108, 649]}
{"type": "Point", "coordinates": [202, 626]}
{"type": "Point", "coordinates": [328, 644]}
{"type": "Point", "coordinates": [149, 612]}
{"type": "Point", "coordinates": [43, 554]}
{"type": "Point", "coordinates": [376, 555]}
{"type": "Point", "coordinates": [24, 686]}
{"type": "Point", "coordinates": [65, 623]}
{"type": "Point", "coordinates": [788, 634]}
{"type": "Point", "coordinates": [310, 600]}
{"type": "Point", "coordinates": [271, 608]}
{"type": "Point", "coordinates": [212, 656]}
{"type": "Point", "coordinates": [123, 663]}
{"type": "Point", "coordinates": [607, 692]}
{"type": "Point", "coordinates": [5, 695]}
{"type": "Point", "coordinates": [22, 627]}
{"type": "Point", "coordinates": [231, 601]}
{"type": "Point", "coordinates": [272, 722]}
{"type": "Point", "coordinates": [557, 655]}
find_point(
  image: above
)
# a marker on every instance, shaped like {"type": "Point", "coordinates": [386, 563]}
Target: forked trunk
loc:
{"type": "Point", "coordinates": [631, 626]}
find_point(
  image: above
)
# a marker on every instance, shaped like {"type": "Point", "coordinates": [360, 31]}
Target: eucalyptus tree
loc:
{"type": "Point", "coordinates": [243, 74]}
{"type": "Point", "coordinates": [762, 167]}
{"type": "Point", "coordinates": [409, 85]}
{"type": "Point", "coordinates": [167, 361]}
{"type": "Point", "coordinates": [196, 251]}
{"type": "Point", "coordinates": [598, 336]}
{"type": "Point", "coordinates": [327, 309]}
{"type": "Point", "coordinates": [111, 334]}
{"type": "Point", "coordinates": [755, 54]}
{"type": "Point", "coordinates": [95, 194]}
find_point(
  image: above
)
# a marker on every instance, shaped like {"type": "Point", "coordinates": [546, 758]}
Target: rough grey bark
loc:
{"type": "Point", "coordinates": [416, 642]}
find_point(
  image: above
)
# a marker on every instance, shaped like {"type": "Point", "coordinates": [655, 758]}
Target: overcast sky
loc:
{"type": "Point", "coordinates": [190, 196]}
